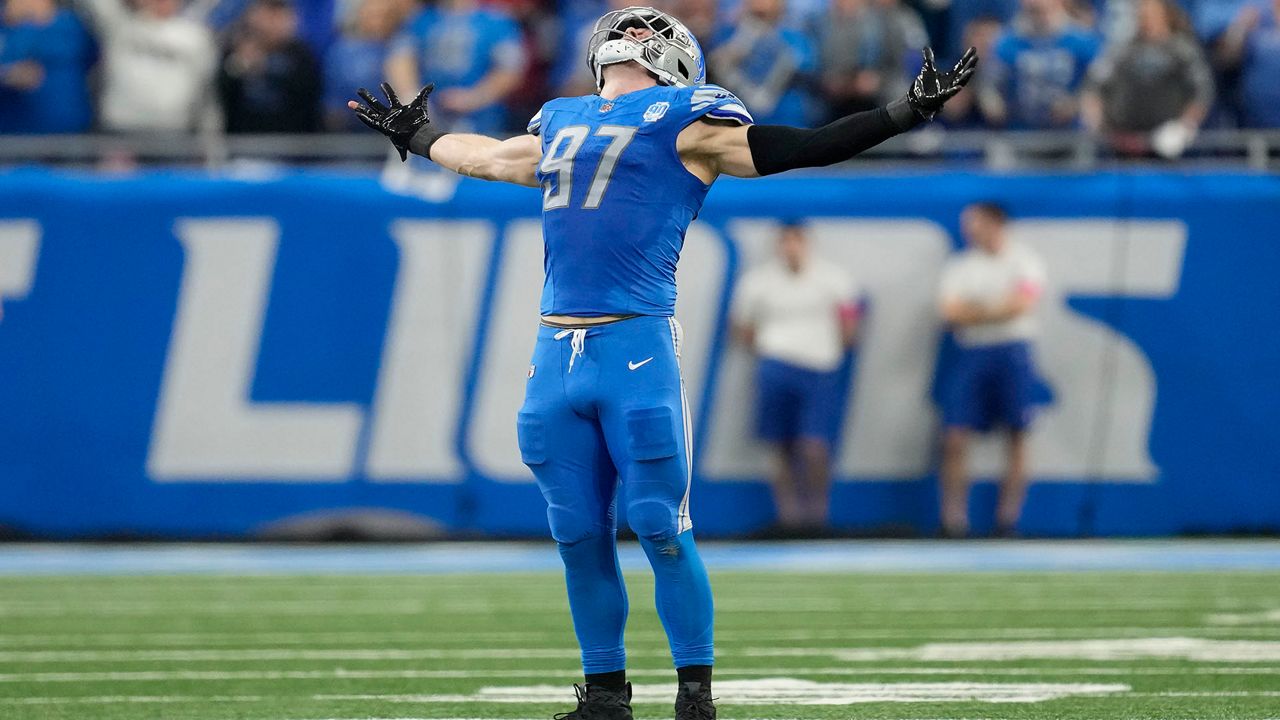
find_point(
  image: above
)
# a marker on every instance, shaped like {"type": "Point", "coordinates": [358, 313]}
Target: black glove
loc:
{"type": "Point", "coordinates": [398, 122]}
{"type": "Point", "coordinates": [933, 88]}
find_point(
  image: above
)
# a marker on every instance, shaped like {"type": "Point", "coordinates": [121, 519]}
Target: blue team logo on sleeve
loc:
{"type": "Point", "coordinates": [656, 111]}
{"type": "Point", "coordinates": [715, 102]}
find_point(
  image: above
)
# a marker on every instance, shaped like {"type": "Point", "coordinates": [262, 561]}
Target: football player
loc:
{"type": "Point", "coordinates": [623, 173]}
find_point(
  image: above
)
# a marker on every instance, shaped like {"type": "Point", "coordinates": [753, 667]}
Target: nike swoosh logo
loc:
{"type": "Point", "coordinates": [636, 365]}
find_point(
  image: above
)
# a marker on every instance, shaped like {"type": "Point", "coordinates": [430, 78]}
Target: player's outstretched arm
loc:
{"type": "Point", "coordinates": [410, 131]}
{"type": "Point", "coordinates": [514, 160]}
{"type": "Point", "coordinates": [757, 150]}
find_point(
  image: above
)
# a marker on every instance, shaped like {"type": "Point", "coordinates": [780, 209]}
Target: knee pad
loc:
{"type": "Point", "coordinates": [653, 519]}
{"type": "Point", "coordinates": [569, 527]}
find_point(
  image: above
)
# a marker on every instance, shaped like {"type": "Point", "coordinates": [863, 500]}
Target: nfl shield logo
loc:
{"type": "Point", "coordinates": [656, 111]}
{"type": "Point", "coordinates": [606, 107]}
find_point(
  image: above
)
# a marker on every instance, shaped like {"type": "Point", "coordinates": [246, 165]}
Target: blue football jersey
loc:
{"type": "Point", "coordinates": [1037, 73]}
{"type": "Point", "coordinates": [616, 199]}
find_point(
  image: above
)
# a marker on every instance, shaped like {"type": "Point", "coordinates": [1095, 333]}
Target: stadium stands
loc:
{"type": "Point", "coordinates": [800, 60]}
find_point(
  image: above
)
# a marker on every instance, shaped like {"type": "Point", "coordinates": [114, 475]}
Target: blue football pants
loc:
{"type": "Point", "coordinates": [604, 409]}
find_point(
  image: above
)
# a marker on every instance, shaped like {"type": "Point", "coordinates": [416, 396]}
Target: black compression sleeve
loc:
{"type": "Point", "coordinates": [777, 148]}
{"type": "Point", "coordinates": [421, 142]}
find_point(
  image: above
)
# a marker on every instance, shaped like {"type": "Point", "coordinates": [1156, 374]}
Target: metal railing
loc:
{"type": "Point", "coordinates": [1257, 150]}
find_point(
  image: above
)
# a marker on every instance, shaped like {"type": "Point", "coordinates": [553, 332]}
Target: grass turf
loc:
{"type": "Point", "coordinates": [312, 647]}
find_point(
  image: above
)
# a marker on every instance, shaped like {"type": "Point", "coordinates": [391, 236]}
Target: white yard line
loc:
{"type": "Point", "coordinates": [1010, 633]}
{"type": "Point", "coordinates": [1254, 618]}
{"type": "Point", "coordinates": [179, 699]}
{"type": "Point", "coordinates": [1104, 649]}
{"type": "Point", "coordinates": [770, 691]}
{"type": "Point", "coordinates": [1210, 693]}
{"type": "Point", "coordinates": [792, 691]}
{"type": "Point", "coordinates": [570, 675]}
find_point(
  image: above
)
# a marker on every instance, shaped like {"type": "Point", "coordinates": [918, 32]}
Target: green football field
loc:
{"type": "Point", "coordinates": [1090, 645]}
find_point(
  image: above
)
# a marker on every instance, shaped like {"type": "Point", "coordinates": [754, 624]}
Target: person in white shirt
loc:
{"type": "Point", "coordinates": [988, 297]}
{"type": "Point", "coordinates": [798, 314]}
{"type": "Point", "coordinates": [159, 66]}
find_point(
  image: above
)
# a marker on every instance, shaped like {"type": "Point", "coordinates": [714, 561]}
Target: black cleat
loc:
{"type": "Point", "coordinates": [694, 702]}
{"type": "Point", "coordinates": [597, 703]}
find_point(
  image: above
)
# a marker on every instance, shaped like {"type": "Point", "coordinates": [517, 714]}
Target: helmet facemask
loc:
{"type": "Point", "coordinates": [670, 52]}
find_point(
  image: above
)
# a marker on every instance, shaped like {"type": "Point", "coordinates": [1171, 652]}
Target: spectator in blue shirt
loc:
{"type": "Point", "coordinates": [357, 59]}
{"type": "Point", "coordinates": [45, 54]}
{"type": "Point", "coordinates": [474, 56]}
{"type": "Point", "coordinates": [1252, 44]}
{"type": "Point", "coordinates": [1034, 78]}
{"type": "Point", "coordinates": [768, 65]}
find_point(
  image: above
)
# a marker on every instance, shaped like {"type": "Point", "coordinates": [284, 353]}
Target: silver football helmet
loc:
{"type": "Point", "coordinates": [671, 52]}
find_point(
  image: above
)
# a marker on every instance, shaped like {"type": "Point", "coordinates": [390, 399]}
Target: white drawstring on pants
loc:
{"type": "Point", "coordinates": [578, 342]}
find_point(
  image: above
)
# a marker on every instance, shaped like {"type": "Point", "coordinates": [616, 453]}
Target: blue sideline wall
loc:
{"type": "Point", "coordinates": [190, 356]}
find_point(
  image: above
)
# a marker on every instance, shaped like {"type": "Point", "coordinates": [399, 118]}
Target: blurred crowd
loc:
{"type": "Point", "coordinates": [1136, 71]}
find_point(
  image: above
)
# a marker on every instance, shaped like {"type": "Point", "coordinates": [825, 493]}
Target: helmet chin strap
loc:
{"type": "Point", "coordinates": [619, 50]}
{"type": "Point", "coordinates": [614, 52]}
